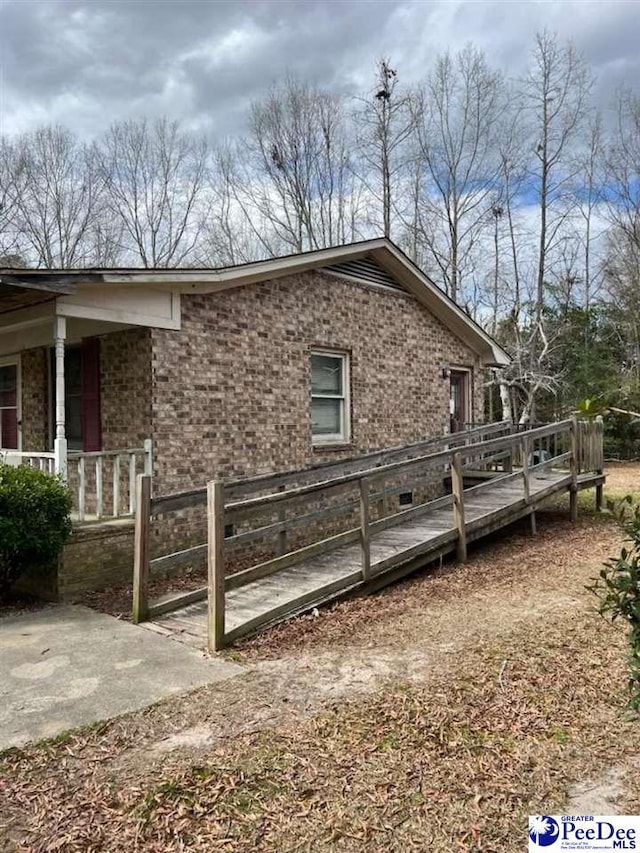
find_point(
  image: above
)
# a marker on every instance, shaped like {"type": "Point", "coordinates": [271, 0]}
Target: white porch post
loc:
{"type": "Point", "coordinates": [60, 442]}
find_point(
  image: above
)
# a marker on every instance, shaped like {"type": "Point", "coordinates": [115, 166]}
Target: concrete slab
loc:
{"type": "Point", "coordinates": [67, 666]}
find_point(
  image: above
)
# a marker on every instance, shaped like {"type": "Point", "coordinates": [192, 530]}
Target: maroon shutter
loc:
{"type": "Point", "coordinates": [8, 429]}
{"type": "Point", "coordinates": [91, 426]}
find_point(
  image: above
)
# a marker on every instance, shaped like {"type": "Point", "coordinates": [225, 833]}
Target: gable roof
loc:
{"type": "Point", "coordinates": [385, 255]}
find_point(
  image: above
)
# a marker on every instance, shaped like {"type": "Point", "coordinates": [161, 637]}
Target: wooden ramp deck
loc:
{"type": "Point", "coordinates": [394, 551]}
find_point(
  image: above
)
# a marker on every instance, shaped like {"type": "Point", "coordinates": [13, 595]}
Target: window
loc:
{"type": "Point", "coordinates": [9, 404]}
{"type": "Point", "coordinates": [73, 397]}
{"type": "Point", "coordinates": [82, 396]}
{"type": "Point", "coordinates": [329, 397]}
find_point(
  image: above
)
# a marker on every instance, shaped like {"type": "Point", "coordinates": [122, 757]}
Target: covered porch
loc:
{"type": "Point", "coordinates": [75, 383]}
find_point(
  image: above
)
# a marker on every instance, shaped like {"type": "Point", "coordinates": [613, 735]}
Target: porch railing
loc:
{"type": "Point", "coordinates": [45, 461]}
{"type": "Point", "coordinates": [102, 483]}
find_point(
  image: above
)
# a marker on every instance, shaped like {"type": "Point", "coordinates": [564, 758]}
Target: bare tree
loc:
{"type": "Point", "coordinates": [551, 108]}
{"type": "Point", "coordinates": [457, 113]}
{"type": "Point", "coordinates": [622, 279]}
{"type": "Point", "coordinates": [105, 238]}
{"type": "Point", "coordinates": [235, 232]}
{"type": "Point", "coordinates": [531, 370]}
{"type": "Point", "coordinates": [622, 267]}
{"type": "Point", "coordinates": [564, 291]}
{"type": "Point", "coordinates": [497, 212]}
{"type": "Point", "coordinates": [155, 179]}
{"type": "Point", "coordinates": [512, 195]}
{"type": "Point", "coordinates": [590, 196]}
{"type": "Point", "coordinates": [296, 169]}
{"type": "Point", "coordinates": [9, 174]}
{"type": "Point", "coordinates": [511, 181]}
{"type": "Point", "coordinates": [54, 190]}
{"type": "Point", "coordinates": [556, 98]}
{"type": "Point", "coordinates": [623, 169]}
{"type": "Point", "coordinates": [384, 124]}
{"type": "Point", "coordinates": [499, 376]}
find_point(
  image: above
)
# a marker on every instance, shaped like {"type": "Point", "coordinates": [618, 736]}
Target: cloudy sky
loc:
{"type": "Point", "coordinates": [85, 63]}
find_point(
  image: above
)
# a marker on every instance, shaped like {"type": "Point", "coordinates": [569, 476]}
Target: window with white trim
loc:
{"type": "Point", "coordinates": [9, 404]}
{"type": "Point", "coordinates": [329, 397]}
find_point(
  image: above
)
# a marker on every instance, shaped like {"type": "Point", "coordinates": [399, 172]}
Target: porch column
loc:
{"type": "Point", "coordinates": [60, 442]}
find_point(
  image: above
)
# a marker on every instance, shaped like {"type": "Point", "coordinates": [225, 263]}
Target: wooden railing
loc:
{"type": "Point", "coordinates": [304, 476]}
{"type": "Point", "coordinates": [104, 482]}
{"type": "Point", "coordinates": [44, 461]}
{"type": "Point", "coordinates": [278, 482]}
{"type": "Point", "coordinates": [281, 505]}
{"type": "Point", "coordinates": [590, 445]}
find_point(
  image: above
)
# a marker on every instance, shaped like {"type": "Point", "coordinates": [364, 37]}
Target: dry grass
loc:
{"type": "Point", "coordinates": [454, 763]}
{"type": "Point", "coordinates": [435, 716]}
{"type": "Point", "coordinates": [623, 478]}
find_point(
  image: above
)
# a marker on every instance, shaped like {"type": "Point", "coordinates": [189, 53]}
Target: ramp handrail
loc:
{"type": "Point", "coordinates": [361, 498]}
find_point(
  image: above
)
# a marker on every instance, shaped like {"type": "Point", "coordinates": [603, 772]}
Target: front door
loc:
{"type": "Point", "coordinates": [9, 405]}
{"type": "Point", "coordinates": [458, 400]}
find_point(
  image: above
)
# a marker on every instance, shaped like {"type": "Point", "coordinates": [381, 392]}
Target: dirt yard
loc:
{"type": "Point", "coordinates": [433, 716]}
{"type": "Point", "coordinates": [623, 478]}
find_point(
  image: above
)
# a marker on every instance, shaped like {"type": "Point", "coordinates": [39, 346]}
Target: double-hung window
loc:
{"type": "Point", "coordinates": [9, 404]}
{"type": "Point", "coordinates": [329, 397]}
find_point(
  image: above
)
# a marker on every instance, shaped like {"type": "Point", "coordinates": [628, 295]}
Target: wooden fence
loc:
{"type": "Point", "coordinates": [294, 501]}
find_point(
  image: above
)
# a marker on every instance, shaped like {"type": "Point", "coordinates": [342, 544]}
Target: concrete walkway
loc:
{"type": "Point", "coordinates": [67, 666]}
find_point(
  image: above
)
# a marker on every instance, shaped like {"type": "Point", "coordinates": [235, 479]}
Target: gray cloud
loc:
{"type": "Point", "coordinates": [85, 63]}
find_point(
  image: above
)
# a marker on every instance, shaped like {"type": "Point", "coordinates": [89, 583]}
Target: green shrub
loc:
{"type": "Point", "coordinates": [618, 588]}
{"type": "Point", "coordinates": [35, 522]}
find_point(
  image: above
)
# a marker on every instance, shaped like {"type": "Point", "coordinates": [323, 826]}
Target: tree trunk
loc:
{"type": "Point", "coordinates": [505, 398]}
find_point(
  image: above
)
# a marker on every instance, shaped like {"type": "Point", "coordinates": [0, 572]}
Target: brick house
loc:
{"type": "Point", "coordinates": [229, 372]}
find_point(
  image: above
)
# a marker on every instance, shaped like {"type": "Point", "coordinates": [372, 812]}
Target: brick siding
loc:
{"type": "Point", "coordinates": [35, 413]}
{"type": "Point", "coordinates": [231, 389]}
{"type": "Point", "coordinates": [229, 394]}
{"type": "Point", "coordinates": [125, 388]}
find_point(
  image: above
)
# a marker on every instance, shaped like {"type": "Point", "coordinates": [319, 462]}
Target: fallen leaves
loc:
{"type": "Point", "coordinates": [452, 754]}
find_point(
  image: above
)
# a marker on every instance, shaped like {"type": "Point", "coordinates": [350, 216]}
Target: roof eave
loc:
{"type": "Point", "coordinates": [53, 286]}
{"type": "Point", "coordinates": [499, 357]}
{"type": "Point", "coordinates": [386, 253]}
{"type": "Point", "coordinates": [251, 273]}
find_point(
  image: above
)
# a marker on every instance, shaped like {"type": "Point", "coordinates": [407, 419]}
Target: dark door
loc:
{"type": "Point", "coordinates": [459, 395]}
